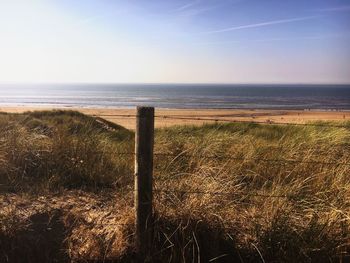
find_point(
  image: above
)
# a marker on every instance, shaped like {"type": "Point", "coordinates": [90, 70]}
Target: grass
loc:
{"type": "Point", "coordinates": [64, 169]}
{"type": "Point", "coordinates": [50, 150]}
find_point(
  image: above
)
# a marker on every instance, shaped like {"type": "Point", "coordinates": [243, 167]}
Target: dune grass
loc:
{"type": "Point", "coordinates": [223, 192]}
{"type": "Point", "coordinates": [51, 150]}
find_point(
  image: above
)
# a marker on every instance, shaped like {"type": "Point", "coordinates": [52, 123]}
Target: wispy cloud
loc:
{"type": "Point", "coordinates": [315, 37]}
{"type": "Point", "coordinates": [262, 24]}
{"type": "Point", "coordinates": [188, 5]}
{"type": "Point", "coordinates": [197, 7]}
{"type": "Point", "coordinates": [336, 9]}
{"type": "Point", "coordinates": [277, 39]}
{"type": "Point", "coordinates": [195, 11]}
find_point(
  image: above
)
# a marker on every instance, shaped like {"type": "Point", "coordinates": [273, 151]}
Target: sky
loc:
{"type": "Point", "coordinates": [175, 41]}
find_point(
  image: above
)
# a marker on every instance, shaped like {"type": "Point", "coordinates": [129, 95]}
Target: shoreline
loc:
{"type": "Point", "coordinates": [126, 116]}
{"type": "Point", "coordinates": [38, 107]}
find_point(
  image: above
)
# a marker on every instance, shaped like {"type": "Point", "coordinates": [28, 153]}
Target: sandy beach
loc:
{"type": "Point", "coordinates": [167, 117]}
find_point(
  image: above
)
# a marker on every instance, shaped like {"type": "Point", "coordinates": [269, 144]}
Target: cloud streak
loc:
{"type": "Point", "coordinates": [281, 39]}
{"type": "Point", "coordinates": [262, 24]}
{"type": "Point", "coordinates": [197, 6]}
{"type": "Point", "coordinates": [188, 5]}
{"type": "Point", "coordinates": [336, 9]}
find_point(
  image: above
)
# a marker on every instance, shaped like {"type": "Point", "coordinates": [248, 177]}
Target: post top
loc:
{"type": "Point", "coordinates": [145, 107]}
{"type": "Point", "coordinates": [145, 111]}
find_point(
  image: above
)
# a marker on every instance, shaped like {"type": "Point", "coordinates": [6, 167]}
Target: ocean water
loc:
{"type": "Point", "coordinates": [324, 97]}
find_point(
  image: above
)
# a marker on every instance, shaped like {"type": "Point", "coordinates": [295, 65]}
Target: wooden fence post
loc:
{"type": "Point", "coordinates": [144, 140]}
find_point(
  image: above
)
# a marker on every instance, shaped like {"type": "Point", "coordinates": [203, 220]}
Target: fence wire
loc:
{"type": "Point", "coordinates": [197, 192]}
{"type": "Point", "coordinates": [225, 157]}
{"type": "Point", "coordinates": [250, 122]}
{"type": "Point", "coordinates": [220, 119]}
{"type": "Point", "coordinates": [218, 157]}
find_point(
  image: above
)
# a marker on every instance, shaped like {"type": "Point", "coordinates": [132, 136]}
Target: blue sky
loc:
{"type": "Point", "coordinates": [160, 41]}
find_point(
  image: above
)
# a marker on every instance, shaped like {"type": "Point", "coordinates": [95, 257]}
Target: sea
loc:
{"type": "Point", "coordinates": [182, 96]}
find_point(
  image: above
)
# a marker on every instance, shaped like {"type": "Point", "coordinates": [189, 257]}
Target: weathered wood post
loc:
{"type": "Point", "coordinates": [144, 140]}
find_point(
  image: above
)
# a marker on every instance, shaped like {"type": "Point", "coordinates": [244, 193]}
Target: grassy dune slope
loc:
{"type": "Point", "coordinates": [66, 182]}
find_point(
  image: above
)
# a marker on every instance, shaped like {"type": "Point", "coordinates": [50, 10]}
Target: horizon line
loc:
{"type": "Point", "coordinates": [168, 83]}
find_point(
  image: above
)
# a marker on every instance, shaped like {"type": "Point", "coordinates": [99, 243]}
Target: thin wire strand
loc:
{"type": "Point", "coordinates": [252, 159]}
{"type": "Point", "coordinates": [218, 193]}
{"type": "Point", "coordinates": [233, 158]}
{"type": "Point", "coordinates": [115, 115]}
{"type": "Point", "coordinates": [249, 122]}
{"type": "Point", "coordinates": [225, 157]}
{"type": "Point", "coordinates": [200, 118]}
{"type": "Point", "coordinates": [49, 222]}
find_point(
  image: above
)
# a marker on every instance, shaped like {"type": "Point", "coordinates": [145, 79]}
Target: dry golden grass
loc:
{"type": "Point", "coordinates": [62, 170]}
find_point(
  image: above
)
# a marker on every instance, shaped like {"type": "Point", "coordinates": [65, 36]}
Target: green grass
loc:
{"type": "Point", "coordinates": [240, 208]}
